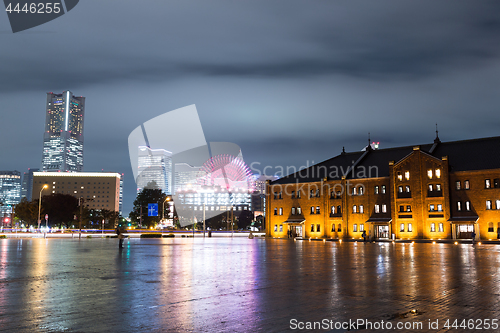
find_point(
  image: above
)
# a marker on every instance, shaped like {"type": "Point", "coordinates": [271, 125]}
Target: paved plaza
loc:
{"type": "Point", "coordinates": [244, 285]}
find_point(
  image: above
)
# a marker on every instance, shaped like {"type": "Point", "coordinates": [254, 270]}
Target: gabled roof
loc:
{"type": "Point", "coordinates": [466, 155]}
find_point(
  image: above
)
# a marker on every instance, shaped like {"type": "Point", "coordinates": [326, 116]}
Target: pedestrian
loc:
{"type": "Point", "coordinates": [364, 236]}
{"type": "Point", "coordinates": [121, 236]}
{"type": "Point", "coordinates": [473, 235]}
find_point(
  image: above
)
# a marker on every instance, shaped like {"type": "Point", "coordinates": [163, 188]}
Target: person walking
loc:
{"type": "Point", "coordinates": [364, 236]}
{"type": "Point", "coordinates": [121, 236]}
{"type": "Point", "coordinates": [473, 235]}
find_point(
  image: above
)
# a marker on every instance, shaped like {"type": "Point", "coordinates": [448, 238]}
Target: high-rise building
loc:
{"type": "Point", "coordinates": [27, 184]}
{"type": "Point", "coordinates": [186, 176]}
{"type": "Point", "coordinates": [155, 165]}
{"type": "Point", "coordinates": [10, 193]}
{"type": "Point", "coordinates": [63, 136]}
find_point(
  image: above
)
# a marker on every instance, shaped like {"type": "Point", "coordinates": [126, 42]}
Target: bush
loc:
{"type": "Point", "coordinates": [150, 235]}
{"type": "Point", "coordinates": [89, 236]}
{"type": "Point", "coordinates": [169, 236]}
{"type": "Point", "coordinates": [3, 236]}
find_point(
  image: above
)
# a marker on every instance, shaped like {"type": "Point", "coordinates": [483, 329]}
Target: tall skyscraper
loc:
{"type": "Point", "coordinates": [63, 136]}
{"type": "Point", "coordinates": [155, 165]}
{"type": "Point", "coordinates": [27, 184]}
{"type": "Point", "coordinates": [10, 193]}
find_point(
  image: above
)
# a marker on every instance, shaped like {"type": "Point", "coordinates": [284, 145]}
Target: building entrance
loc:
{"type": "Point", "coordinates": [464, 231]}
{"type": "Point", "coordinates": [382, 231]}
{"type": "Point", "coordinates": [295, 230]}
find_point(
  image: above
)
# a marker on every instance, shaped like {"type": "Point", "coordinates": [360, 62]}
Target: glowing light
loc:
{"type": "Point", "coordinates": [324, 240]}
{"type": "Point", "coordinates": [456, 243]}
{"type": "Point", "coordinates": [67, 111]}
{"type": "Point", "coordinates": [479, 243]}
{"type": "Point", "coordinates": [434, 242]}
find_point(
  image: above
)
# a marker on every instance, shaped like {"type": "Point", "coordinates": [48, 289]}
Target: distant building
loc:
{"type": "Point", "coordinates": [155, 165]}
{"type": "Point", "coordinates": [10, 193]}
{"type": "Point", "coordinates": [186, 176]}
{"type": "Point", "coordinates": [258, 196]}
{"type": "Point", "coordinates": [63, 136]}
{"type": "Point", "coordinates": [27, 184]}
{"type": "Point", "coordinates": [441, 190]}
{"type": "Point", "coordinates": [100, 190]}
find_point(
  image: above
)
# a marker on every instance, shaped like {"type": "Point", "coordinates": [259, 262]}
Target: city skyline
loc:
{"type": "Point", "coordinates": [288, 89]}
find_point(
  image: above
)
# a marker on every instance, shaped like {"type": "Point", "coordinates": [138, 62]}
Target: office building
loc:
{"type": "Point", "coordinates": [63, 136]}
{"type": "Point", "coordinates": [27, 184]}
{"type": "Point", "coordinates": [155, 165]}
{"type": "Point", "coordinates": [186, 176]}
{"type": "Point", "coordinates": [10, 194]}
{"type": "Point", "coordinates": [441, 190]}
{"type": "Point", "coordinates": [100, 190]}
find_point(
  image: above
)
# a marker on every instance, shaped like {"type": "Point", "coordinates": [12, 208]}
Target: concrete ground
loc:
{"type": "Point", "coordinates": [245, 285]}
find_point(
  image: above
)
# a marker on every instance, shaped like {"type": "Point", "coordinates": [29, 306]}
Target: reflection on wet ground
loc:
{"type": "Point", "coordinates": [239, 285]}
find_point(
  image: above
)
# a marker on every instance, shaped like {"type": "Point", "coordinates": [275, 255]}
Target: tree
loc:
{"type": "Point", "coordinates": [145, 197]}
{"type": "Point", "coordinates": [61, 208]}
{"type": "Point", "coordinates": [27, 211]}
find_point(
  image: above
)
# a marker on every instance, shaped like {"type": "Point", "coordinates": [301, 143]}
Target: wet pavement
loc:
{"type": "Point", "coordinates": [244, 285]}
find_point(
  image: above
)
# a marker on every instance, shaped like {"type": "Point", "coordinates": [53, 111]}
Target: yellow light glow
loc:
{"type": "Point", "coordinates": [456, 243]}
{"type": "Point", "coordinates": [340, 240]}
{"type": "Point", "coordinates": [433, 242]}
{"type": "Point", "coordinates": [479, 243]}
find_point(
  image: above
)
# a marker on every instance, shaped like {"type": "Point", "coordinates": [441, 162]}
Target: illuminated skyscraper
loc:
{"type": "Point", "coordinates": [10, 193]}
{"type": "Point", "coordinates": [155, 165]}
{"type": "Point", "coordinates": [63, 136]}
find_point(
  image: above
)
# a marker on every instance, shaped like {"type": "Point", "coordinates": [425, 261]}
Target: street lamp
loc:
{"type": "Point", "coordinates": [163, 208]}
{"type": "Point", "coordinates": [40, 204]}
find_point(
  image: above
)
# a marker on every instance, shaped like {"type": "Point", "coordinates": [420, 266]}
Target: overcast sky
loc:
{"type": "Point", "coordinates": [288, 81]}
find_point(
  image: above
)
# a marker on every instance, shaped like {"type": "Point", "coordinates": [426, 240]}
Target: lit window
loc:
{"type": "Point", "coordinates": [355, 227]}
{"type": "Point", "coordinates": [438, 187]}
{"type": "Point", "coordinates": [440, 208]}
{"type": "Point", "coordinates": [312, 227]}
{"type": "Point", "coordinates": [431, 208]}
{"type": "Point", "coordinates": [431, 188]}
{"type": "Point", "coordinates": [408, 208]}
{"type": "Point", "coordinates": [490, 227]}
{"type": "Point", "coordinates": [299, 211]}
{"type": "Point", "coordinates": [433, 227]}
{"type": "Point", "coordinates": [281, 210]}
{"type": "Point", "coordinates": [488, 204]}
{"type": "Point", "coordinates": [293, 210]}
{"type": "Point", "coordinates": [497, 203]}
{"type": "Point", "coordinates": [441, 227]}
{"type": "Point", "coordinates": [407, 175]}
{"type": "Point", "coordinates": [384, 208]}
{"type": "Point", "coordinates": [438, 173]}
{"type": "Point", "coordinates": [333, 227]}
{"type": "Point", "coordinates": [407, 189]}
{"type": "Point", "coordinates": [317, 210]}
{"type": "Point", "coordinates": [383, 189]}
{"type": "Point", "coordinates": [400, 176]}
{"type": "Point", "coordinates": [339, 228]}
{"type": "Point", "coordinates": [333, 210]}
{"type": "Point", "coordinates": [429, 173]}
{"type": "Point", "coordinates": [361, 227]}
{"type": "Point", "coordinates": [354, 191]}
{"type": "Point", "coordinates": [466, 185]}
{"type": "Point", "coordinates": [312, 209]}
{"type": "Point", "coordinates": [281, 227]}
{"type": "Point", "coordinates": [275, 211]}
{"type": "Point", "coordinates": [361, 190]}
{"type": "Point", "coordinates": [377, 209]}
{"type": "Point", "coordinates": [410, 227]}
{"type": "Point", "coordinates": [354, 209]}
{"type": "Point", "coordinates": [459, 206]}
{"type": "Point", "coordinates": [496, 183]}
{"type": "Point", "coordinates": [361, 209]}
{"type": "Point", "coordinates": [467, 205]}
{"type": "Point", "coordinates": [293, 194]}
{"type": "Point", "coordinates": [487, 183]}
{"type": "Point", "coordinates": [298, 194]}
{"type": "Point", "coordinates": [400, 189]}
{"type": "Point", "coordinates": [376, 189]}
{"type": "Point", "coordinates": [402, 227]}
{"type": "Point", "coordinates": [275, 227]}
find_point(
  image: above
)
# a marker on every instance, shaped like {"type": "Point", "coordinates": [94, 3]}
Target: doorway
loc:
{"type": "Point", "coordinates": [382, 231]}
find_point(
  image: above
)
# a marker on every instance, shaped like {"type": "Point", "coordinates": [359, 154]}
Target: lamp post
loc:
{"type": "Point", "coordinates": [40, 204]}
{"type": "Point", "coordinates": [163, 208]}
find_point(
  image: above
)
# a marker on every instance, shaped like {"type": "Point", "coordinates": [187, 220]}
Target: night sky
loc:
{"type": "Point", "coordinates": [290, 82]}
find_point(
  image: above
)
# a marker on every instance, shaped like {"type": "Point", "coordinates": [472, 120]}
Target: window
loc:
{"type": "Point", "coordinates": [496, 183]}
{"type": "Point", "coordinates": [281, 210]}
{"type": "Point", "coordinates": [311, 193]}
{"type": "Point", "coordinates": [376, 189]}
{"type": "Point", "coordinates": [281, 227]}
{"type": "Point", "coordinates": [401, 208]}
{"type": "Point", "coordinates": [318, 228]}
{"type": "Point", "coordinates": [361, 209]}
{"type": "Point", "coordinates": [354, 209]}
{"type": "Point", "coordinates": [333, 227]}
{"type": "Point", "coordinates": [490, 227]}
{"type": "Point", "coordinates": [429, 173]}
{"type": "Point", "coordinates": [402, 227]}
{"type": "Point", "coordinates": [293, 210]}
{"type": "Point", "coordinates": [275, 195]}
{"type": "Point", "coordinates": [317, 210]}
{"type": "Point", "coordinates": [384, 208]}
{"type": "Point", "coordinates": [441, 227]}
{"type": "Point", "coordinates": [383, 189]}
{"type": "Point", "coordinates": [293, 194]}
{"type": "Point", "coordinates": [466, 185]}
{"type": "Point", "coordinates": [467, 205]}
{"type": "Point", "coordinates": [312, 227]}
{"type": "Point", "coordinates": [408, 208]}
{"type": "Point", "coordinates": [407, 175]}
{"type": "Point", "coordinates": [488, 204]}
{"type": "Point", "coordinates": [400, 189]}
{"type": "Point", "coordinates": [275, 227]}
{"type": "Point", "coordinates": [440, 208]}
{"type": "Point", "coordinates": [433, 227]}
{"type": "Point", "coordinates": [332, 211]}
{"type": "Point", "coordinates": [298, 194]}
{"type": "Point", "coordinates": [377, 209]}
{"type": "Point", "coordinates": [355, 227]}
{"type": "Point", "coordinates": [431, 208]}
{"type": "Point", "coordinates": [459, 206]}
{"type": "Point", "coordinates": [487, 183]}
{"type": "Point", "coordinates": [339, 210]}
{"type": "Point", "coordinates": [312, 209]}
{"type": "Point", "coordinates": [361, 190]}
{"type": "Point", "coordinates": [400, 176]}
{"type": "Point", "coordinates": [275, 211]}
{"type": "Point", "coordinates": [361, 227]}
{"type": "Point", "coordinates": [431, 187]}
{"type": "Point", "coordinates": [407, 189]}
{"type": "Point", "coordinates": [354, 191]}
{"type": "Point", "coordinates": [339, 228]}
{"type": "Point", "coordinates": [299, 211]}
{"type": "Point", "coordinates": [497, 204]}
{"type": "Point", "coordinates": [457, 184]}
{"type": "Point", "coordinates": [438, 187]}
{"type": "Point", "coordinates": [410, 227]}
{"type": "Point", "coordinates": [317, 193]}
{"type": "Point", "coordinates": [438, 173]}
{"type": "Point", "coordinates": [332, 195]}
